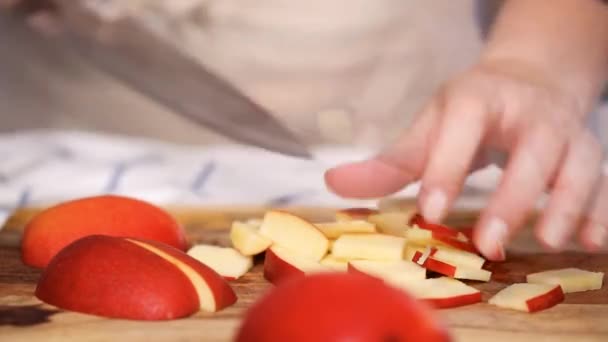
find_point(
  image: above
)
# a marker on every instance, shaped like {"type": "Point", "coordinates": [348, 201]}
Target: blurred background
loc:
{"type": "Point", "coordinates": [338, 71]}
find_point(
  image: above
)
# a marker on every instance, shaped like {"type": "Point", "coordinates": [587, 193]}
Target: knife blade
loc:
{"type": "Point", "coordinates": [153, 67]}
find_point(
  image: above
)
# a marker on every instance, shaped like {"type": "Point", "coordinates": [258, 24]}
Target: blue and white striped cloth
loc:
{"type": "Point", "coordinates": [39, 168]}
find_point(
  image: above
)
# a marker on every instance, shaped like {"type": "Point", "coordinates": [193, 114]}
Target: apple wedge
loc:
{"type": "Point", "coordinates": [281, 264]}
{"type": "Point", "coordinates": [333, 230]}
{"type": "Point", "coordinates": [460, 272]}
{"type": "Point", "coordinates": [369, 247]}
{"type": "Point", "coordinates": [448, 255]}
{"type": "Point", "coordinates": [391, 223]}
{"type": "Point", "coordinates": [335, 263]}
{"type": "Point", "coordinates": [528, 297]}
{"type": "Point", "coordinates": [444, 292]}
{"type": "Point", "coordinates": [570, 279]}
{"type": "Point", "coordinates": [226, 261]}
{"type": "Point", "coordinates": [350, 214]}
{"type": "Point", "coordinates": [245, 237]}
{"type": "Point", "coordinates": [426, 237]}
{"type": "Point", "coordinates": [294, 233]}
{"type": "Point", "coordinates": [395, 272]}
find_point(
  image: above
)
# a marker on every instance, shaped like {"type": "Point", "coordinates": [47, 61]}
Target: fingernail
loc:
{"type": "Point", "coordinates": [434, 205]}
{"type": "Point", "coordinates": [493, 239]}
{"type": "Point", "coordinates": [597, 234]}
{"type": "Point", "coordinates": [555, 232]}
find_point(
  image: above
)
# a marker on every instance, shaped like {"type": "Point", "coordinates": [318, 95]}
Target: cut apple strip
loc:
{"type": "Point", "coordinates": [448, 255]}
{"type": "Point", "coordinates": [421, 223]}
{"type": "Point", "coordinates": [246, 238]}
{"type": "Point", "coordinates": [333, 230]}
{"type": "Point", "coordinates": [369, 247]}
{"type": "Point", "coordinates": [444, 292]}
{"type": "Point", "coordinates": [459, 272]}
{"type": "Point", "coordinates": [350, 214]}
{"type": "Point", "coordinates": [226, 261]}
{"type": "Point", "coordinates": [294, 233]}
{"type": "Point", "coordinates": [398, 272]}
{"type": "Point", "coordinates": [570, 279]}
{"type": "Point", "coordinates": [335, 263]}
{"type": "Point", "coordinates": [281, 264]}
{"type": "Point", "coordinates": [528, 297]}
{"type": "Point", "coordinates": [212, 294]}
{"type": "Point", "coordinates": [431, 238]}
{"type": "Point", "coordinates": [391, 223]}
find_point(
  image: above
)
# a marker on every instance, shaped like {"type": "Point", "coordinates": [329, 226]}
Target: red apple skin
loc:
{"type": "Point", "coordinates": [547, 300]}
{"type": "Point", "coordinates": [435, 265]}
{"type": "Point", "coordinates": [465, 246]}
{"type": "Point", "coordinates": [331, 307]}
{"type": "Point", "coordinates": [276, 270]}
{"type": "Point", "coordinates": [223, 294]}
{"type": "Point", "coordinates": [112, 277]}
{"type": "Point", "coordinates": [56, 227]}
{"type": "Point", "coordinates": [439, 228]}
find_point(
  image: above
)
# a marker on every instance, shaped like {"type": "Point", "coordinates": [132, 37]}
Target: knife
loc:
{"type": "Point", "coordinates": [139, 58]}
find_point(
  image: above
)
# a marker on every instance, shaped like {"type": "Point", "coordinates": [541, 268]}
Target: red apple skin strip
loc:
{"type": "Point", "coordinates": [465, 246]}
{"type": "Point", "coordinates": [435, 265]}
{"type": "Point", "coordinates": [546, 300]}
{"type": "Point", "coordinates": [276, 270]}
{"type": "Point", "coordinates": [444, 303]}
{"type": "Point", "coordinates": [441, 229]}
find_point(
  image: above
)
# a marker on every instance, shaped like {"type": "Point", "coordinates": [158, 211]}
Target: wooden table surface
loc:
{"type": "Point", "coordinates": [582, 317]}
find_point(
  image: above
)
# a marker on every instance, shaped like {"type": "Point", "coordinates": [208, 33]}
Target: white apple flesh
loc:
{"type": "Point", "coordinates": [570, 279]}
{"type": "Point", "coordinates": [369, 247]}
{"type": "Point", "coordinates": [226, 261]}
{"type": "Point", "coordinates": [528, 297]}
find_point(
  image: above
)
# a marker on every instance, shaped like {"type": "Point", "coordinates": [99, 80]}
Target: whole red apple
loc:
{"type": "Point", "coordinates": [339, 307]}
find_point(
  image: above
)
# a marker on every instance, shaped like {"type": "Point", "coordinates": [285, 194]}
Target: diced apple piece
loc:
{"type": "Point", "coordinates": [333, 230]}
{"type": "Point", "coordinates": [350, 214]}
{"type": "Point", "coordinates": [460, 272]}
{"type": "Point", "coordinates": [528, 297]}
{"type": "Point", "coordinates": [570, 279]}
{"type": "Point", "coordinates": [369, 246]}
{"type": "Point", "coordinates": [391, 223]}
{"type": "Point", "coordinates": [281, 264]}
{"type": "Point", "coordinates": [458, 257]}
{"type": "Point", "coordinates": [396, 272]}
{"type": "Point", "coordinates": [246, 239]}
{"type": "Point", "coordinates": [335, 263]}
{"type": "Point", "coordinates": [226, 261]}
{"type": "Point", "coordinates": [444, 292]}
{"type": "Point", "coordinates": [294, 233]}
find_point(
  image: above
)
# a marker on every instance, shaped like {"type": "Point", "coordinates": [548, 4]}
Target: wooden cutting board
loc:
{"type": "Point", "coordinates": [582, 317]}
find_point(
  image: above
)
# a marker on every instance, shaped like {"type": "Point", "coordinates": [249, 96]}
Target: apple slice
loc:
{"type": "Point", "coordinates": [460, 272]}
{"type": "Point", "coordinates": [369, 247]}
{"type": "Point", "coordinates": [391, 223]}
{"type": "Point", "coordinates": [333, 230]}
{"type": "Point", "coordinates": [528, 297]}
{"type": "Point", "coordinates": [335, 263]}
{"type": "Point", "coordinates": [444, 292]}
{"type": "Point", "coordinates": [281, 264]}
{"type": "Point", "coordinates": [421, 223]}
{"type": "Point", "coordinates": [350, 214]}
{"type": "Point", "coordinates": [226, 261]}
{"type": "Point", "coordinates": [294, 233]}
{"type": "Point", "coordinates": [570, 279]}
{"type": "Point", "coordinates": [396, 272]}
{"type": "Point", "coordinates": [254, 222]}
{"type": "Point", "coordinates": [246, 238]}
{"type": "Point", "coordinates": [448, 255]}
{"type": "Point", "coordinates": [432, 238]}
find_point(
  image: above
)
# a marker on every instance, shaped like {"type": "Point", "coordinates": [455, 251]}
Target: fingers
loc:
{"type": "Point", "coordinates": [572, 190]}
{"type": "Point", "coordinates": [387, 173]}
{"type": "Point", "coordinates": [464, 123]}
{"type": "Point", "coordinates": [529, 169]}
{"type": "Point", "coordinates": [594, 231]}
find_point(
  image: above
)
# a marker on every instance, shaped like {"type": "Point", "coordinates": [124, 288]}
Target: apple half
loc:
{"type": "Point", "coordinates": [245, 237]}
{"type": "Point", "coordinates": [450, 270]}
{"type": "Point", "coordinates": [294, 233]}
{"type": "Point", "coordinates": [570, 279]}
{"type": "Point", "coordinates": [369, 247]}
{"type": "Point", "coordinates": [528, 297]}
{"type": "Point", "coordinates": [281, 264]}
{"type": "Point", "coordinates": [131, 279]}
{"type": "Point", "coordinates": [226, 261]}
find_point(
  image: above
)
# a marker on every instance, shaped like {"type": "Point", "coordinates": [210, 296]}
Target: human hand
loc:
{"type": "Point", "coordinates": [39, 14]}
{"type": "Point", "coordinates": [505, 106]}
